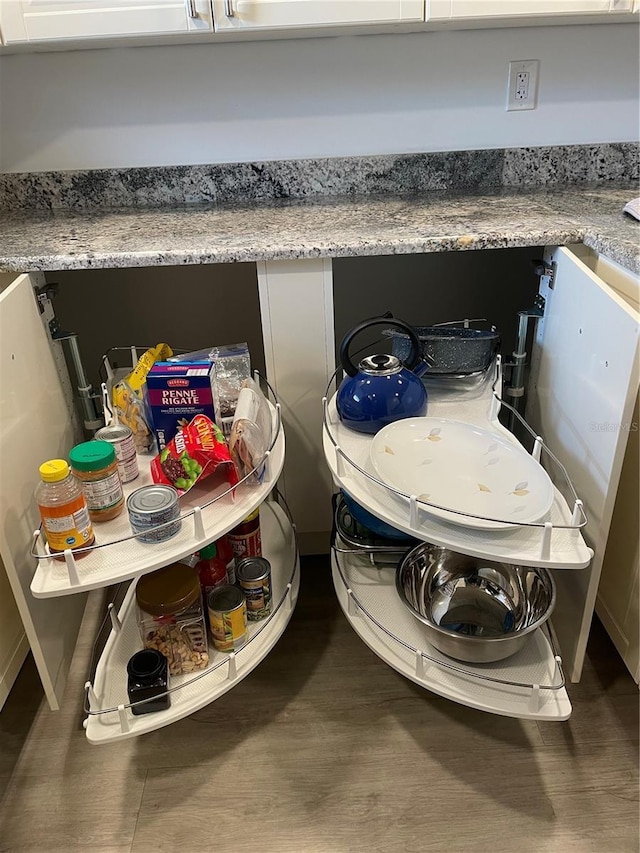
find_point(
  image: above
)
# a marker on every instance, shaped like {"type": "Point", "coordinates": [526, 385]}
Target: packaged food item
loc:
{"type": "Point", "coordinates": [128, 397]}
{"type": "Point", "coordinates": [63, 508]}
{"type": "Point", "coordinates": [227, 618]}
{"type": "Point", "coordinates": [231, 366]}
{"type": "Point", "coordinates": [176, 393]}
{"type": "Point", "coordinates": [151, 506]}
{"type": "Point", "coordinates": [193, 454]}
{"type": "Point", "coordinates": [211, 568]}
{"type": "Point", "coordinates": [121, 437]}
{"type": "Point", "coordinates": [245, 538]}
{"type": "Point", "coordinates": [251, 431]}
{"type": "Point", "coordinates": [148, 682]}
{"type": "Point", "coordinates": [171, 617]}
{"type": "Point", "coordinates": [254, 579]}
{"type": "Point", "coordinates": [225, 551]}
{"type": "Point", "coordinates": [94, 464]}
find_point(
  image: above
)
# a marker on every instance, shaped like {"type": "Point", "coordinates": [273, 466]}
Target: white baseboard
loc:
{"type": "Point", "coordinates": [11, 668]}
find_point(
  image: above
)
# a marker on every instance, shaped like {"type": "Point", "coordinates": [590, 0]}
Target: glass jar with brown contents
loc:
{"type": "Point", "coordinates": [171, 617]}
{"type": "Point", "coordinates": [95, 465]}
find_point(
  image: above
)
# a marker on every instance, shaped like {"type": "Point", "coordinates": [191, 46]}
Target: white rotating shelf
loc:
{"type": "Point", "coordinates": [110, 717]}
{"type": "Point", "coordinates": [207, 514]}
{"type": "Point", "coordinates": [555, 542]}
{"type": "Point", "coordinates": [528, 685]}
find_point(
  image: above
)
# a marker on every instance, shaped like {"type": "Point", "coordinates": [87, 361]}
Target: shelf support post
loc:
{"type": "Point", "coordinates": [124, 722]}
{"type": "Point", "coordinates": [534, 699]}
{"type": "Point", "coordinates": [233, 669]}
{"type": "Point", "coordinates": [94, 702]}
{"type": "Point", "coordinates": [545, 550]}
{"type": "Point", "coordinates": [577, 512]}
{"type": "Point", "coordinates": [419, 664]}
{"type": "Point", "coordinates": [352, 607]}
{"type": "Point", "coordinates": [537, 448]}
{"type": "Point", "coordinates": [413, 512]}
{"type": "Point", "coordinates": [72, 569]}
{"type": "Point", "coordinates": [266, 467]}
{"type": "Point", "coordinates": [198, 526]}
{"type": "Point", "coordinates": [340, 462]}
{"type": "Point", "coordinates": [290, 597]}
{"type": "Point", "coordinates": [115, 619]}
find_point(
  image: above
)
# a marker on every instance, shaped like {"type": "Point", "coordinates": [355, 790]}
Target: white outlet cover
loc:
{"type": "Point", "coordinates": [532, 68]}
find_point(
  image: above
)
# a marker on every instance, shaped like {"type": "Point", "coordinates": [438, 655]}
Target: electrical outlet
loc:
{"type": "Point", "coordinates": [522, 86]}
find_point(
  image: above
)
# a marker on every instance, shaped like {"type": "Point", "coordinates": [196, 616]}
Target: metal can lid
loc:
{"type": "Point", "coordinates": [252, 569]}
{"type": "Point", "coordinates": [113, 433]}
{"type": "Point", "coordinates": [226, 597]}
{"type": "Point", "coordinates": [149, 500]}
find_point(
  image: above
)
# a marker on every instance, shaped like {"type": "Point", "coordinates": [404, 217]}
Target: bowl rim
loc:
{"type": "Point", "coordinates": [465, 638]}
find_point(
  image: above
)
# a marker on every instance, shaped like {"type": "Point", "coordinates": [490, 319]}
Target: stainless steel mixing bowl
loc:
{"type": "Point", "coordinates": [474, 610]}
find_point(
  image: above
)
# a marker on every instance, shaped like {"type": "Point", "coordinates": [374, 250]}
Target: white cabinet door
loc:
{"type": "Point", "coordinates": [457, 9]}
{"type": "Point", "coordinates": [281, 14]}
{"type": "Point", "coordinates": [583, 385]}
{"type": "Point", "coordinates": [50, 20]}
{"type": "Point", "coordinates": [35, 425]}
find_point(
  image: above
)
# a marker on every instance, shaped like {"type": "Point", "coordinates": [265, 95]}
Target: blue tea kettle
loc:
{"type": "Point", "coordinates": [382, 389]}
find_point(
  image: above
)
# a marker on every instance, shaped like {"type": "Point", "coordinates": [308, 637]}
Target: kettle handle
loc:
{"type": "Point", "coordinates": [416, 349]}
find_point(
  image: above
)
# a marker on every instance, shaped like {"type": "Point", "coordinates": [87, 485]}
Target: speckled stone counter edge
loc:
{"type": "Point", "coordinates": [339, 176]}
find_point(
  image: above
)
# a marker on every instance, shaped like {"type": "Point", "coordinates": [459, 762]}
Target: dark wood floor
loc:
{"type": "Point", "coordinates": [325, 749]}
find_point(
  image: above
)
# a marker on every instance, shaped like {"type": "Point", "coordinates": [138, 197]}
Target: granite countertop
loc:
{"type": "Point", "coordinates": [386, 219]}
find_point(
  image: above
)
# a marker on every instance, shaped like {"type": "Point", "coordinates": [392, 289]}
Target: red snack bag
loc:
{"type": "Point", "coordinates": [194, 453]}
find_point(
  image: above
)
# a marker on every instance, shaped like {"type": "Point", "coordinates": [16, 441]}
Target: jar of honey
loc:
{"type": "Point", "coordinates": [63, 508]}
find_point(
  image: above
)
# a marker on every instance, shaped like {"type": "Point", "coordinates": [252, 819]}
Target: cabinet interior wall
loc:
{"type": "Point", "coordinates": [190, 307]}
{"type": "Point", "coordinates": [436, 288]}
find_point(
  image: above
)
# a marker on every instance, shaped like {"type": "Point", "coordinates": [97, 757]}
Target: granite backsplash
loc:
{"type": "Point", "coordinates": [158, 186]}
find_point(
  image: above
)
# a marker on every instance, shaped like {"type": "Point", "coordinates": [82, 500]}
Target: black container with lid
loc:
{"type": "Point", "coordinates": [148, 678]}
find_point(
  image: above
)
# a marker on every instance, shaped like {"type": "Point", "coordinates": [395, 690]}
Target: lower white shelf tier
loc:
{"type": "Point", "coordinates": [111, 720]}
{"type": "Point", "coordinates": [528, 685]}
{"type": "Point", "coordinates": [208, 513]}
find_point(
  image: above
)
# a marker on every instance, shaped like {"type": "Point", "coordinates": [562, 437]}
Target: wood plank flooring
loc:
{"type": "Point", "coordinates": [325, 749]}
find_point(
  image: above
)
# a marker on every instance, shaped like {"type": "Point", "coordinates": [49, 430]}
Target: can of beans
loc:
{"type": "Point", "coordinates": [254, 577]}
{"type": "Point", "coordinates": [227, 618]}
{"type": "Point", "coordinates": [245, 538]}
{"type": "Point", "coordinates": [151, 506]}
{"type": "Point", "coordinates": [121, 437]}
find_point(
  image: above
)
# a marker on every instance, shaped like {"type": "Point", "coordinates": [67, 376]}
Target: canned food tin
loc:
{"type": "Point", "coordinates": [254, 577]}
{"type": "Point", "coordinates": [121, 437]}
{"type": "Point", "coordinates": [245, 538]}
{"type": "Point", "coordinates": [227, 618]}
{"type": "Point", "coordinates": [150, 506]}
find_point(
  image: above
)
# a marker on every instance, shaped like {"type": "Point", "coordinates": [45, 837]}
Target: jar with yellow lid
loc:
{"type": "Point", "coordinates": [63, 508]}
{"type": "Point", "coordinates": [171, 617]}
{"type": "Point", "coordinates": [95, 465]}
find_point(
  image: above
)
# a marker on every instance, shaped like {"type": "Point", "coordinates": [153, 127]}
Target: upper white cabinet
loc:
{"type": "Point", "coordinates": [483, 9]}
{"type": "Point", "coordinates": [282, 14]}
{"type": "Point", "coordinates": [50, 20]}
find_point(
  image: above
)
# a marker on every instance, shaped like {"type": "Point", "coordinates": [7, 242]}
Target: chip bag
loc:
{"type": "Point", "coordinates": [192, 455]}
